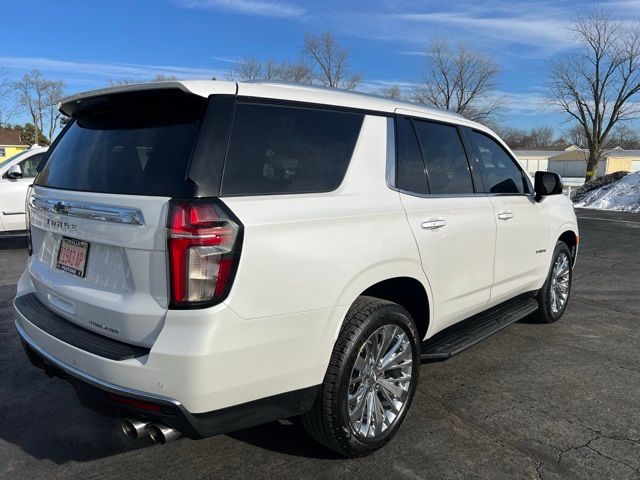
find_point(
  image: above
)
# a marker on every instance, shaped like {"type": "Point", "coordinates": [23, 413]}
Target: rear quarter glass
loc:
{"type": "Point", "coordinates": [283, 149]}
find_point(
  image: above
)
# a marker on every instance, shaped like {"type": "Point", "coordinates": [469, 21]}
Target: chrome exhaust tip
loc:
{"type": "Point", "coordinates": [162, 434]}
{"type": "Point", "coordinates": [134, 429]}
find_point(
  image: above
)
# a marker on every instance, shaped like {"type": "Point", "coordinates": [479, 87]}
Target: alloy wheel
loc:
{"type": "Point", "coordinates": [380, 381]}
{"type": "Point", "coordinates": [560, 277]}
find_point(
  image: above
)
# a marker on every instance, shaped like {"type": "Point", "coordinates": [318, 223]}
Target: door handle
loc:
{"type": "Point", "coordinates": [433, 224]}
{"type": "Point", "coordinates": [505, 215]}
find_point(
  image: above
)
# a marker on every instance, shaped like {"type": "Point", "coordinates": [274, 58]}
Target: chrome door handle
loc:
{"type": "Point", "coordinates": [434, 223]}
{"type": "Point", "coordinates": [505, 215]}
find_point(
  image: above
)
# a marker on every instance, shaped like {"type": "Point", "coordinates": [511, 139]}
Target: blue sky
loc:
{"type": "Point", "coordinates": [88, 43]}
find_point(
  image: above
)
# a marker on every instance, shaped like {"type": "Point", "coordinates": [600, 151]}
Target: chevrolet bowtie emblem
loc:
{"type": "Point", "coordinates": [61, 207]}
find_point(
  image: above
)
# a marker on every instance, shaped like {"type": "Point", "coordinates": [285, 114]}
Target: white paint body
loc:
{"type": "Point", "coordinates": [13, 191]}
{"type": "Point", "coordinates": [305, 259]}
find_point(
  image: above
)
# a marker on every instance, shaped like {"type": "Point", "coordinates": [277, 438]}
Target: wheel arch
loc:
{"type": "Point", "coordinates": [571, 238]}
{"type": "Point", "coordinates": [403, 282]}
{"type": "Point", "coordinates": [410, 294]}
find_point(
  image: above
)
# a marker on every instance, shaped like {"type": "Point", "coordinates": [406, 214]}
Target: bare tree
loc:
{"type": "Point", "coordinates": [5, 91]}
{"type": "Point", "coordinates": [54, 93]}
{"type": "Point", "coordinates": [574, 135]}
{"type": "Point", "coordinates": [39, 97]}
{"type": "Point", "coordinates": [596, 85]}
{"type": "Point", "coordinates": [392, 91]}
{"type": "Point", "coordinates": [163, 77]}
{"type": "Point", "coordinates": [460, 79]}
{"type": "Point", "coordinates": [158, 77]}
{"type": "Point", "coordinates": [298, 72]}
{"type": "Point", "coordinates": [330, 61]}
{"type": "Point", "coordinates": [536, 137]}
{"type": "Point", "coordinates": [253, 69]}
{"type": "Point", "coordinates": [122, 81]}
{"type": "Point", "coordinates": [624, 137]}
{"type": "Point", "coordinates": [541, 136]}
{"type": "Point", "coordinates": [249, 68]}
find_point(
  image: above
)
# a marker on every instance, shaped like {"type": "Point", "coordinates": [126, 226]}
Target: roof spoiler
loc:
{"type": "Point", "coordinates": [73, 104]}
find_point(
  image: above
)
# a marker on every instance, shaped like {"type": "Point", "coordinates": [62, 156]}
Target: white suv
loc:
{"type": "Point", "coordinates": [16, 174]}
{"type": "Point", "coordinates": [208, 256]}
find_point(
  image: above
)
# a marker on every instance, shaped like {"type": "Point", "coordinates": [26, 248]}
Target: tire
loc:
{"type": "Point", "coordinates": [353, 381]}
{"type": "Point", "coordinates": [551, 292]}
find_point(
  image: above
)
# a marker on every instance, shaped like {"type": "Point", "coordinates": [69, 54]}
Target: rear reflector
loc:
{"type": "Point", "coordinates": [132, 402]}
{"type": "Point", "coordinates": [204, 246]}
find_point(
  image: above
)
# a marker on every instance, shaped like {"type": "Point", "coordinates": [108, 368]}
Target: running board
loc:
{"type": "Point", "coordinates": [459, 337]}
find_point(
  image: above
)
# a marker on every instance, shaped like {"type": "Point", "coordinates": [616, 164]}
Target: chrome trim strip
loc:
{"type": "Point", "coordinates": [390, 171]}
{"type": "Point", "coordinates": [88, 210]}
{"type": "Point", "coordinates": [85, 377]}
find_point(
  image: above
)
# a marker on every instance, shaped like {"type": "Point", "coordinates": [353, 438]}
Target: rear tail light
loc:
{"type": "Point", "coordinates": [27, 219]}
{"type": "Point", "coordinates": [204, 240]}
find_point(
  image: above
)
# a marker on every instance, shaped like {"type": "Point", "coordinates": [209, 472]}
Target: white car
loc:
{"type": "Point", "coordinates": [16, 174]}
{"type": "Point", "coordinates": [208, 256]}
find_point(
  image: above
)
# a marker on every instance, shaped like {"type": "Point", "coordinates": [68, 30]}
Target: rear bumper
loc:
{"type": "Point", "coordinates": [206, 359]}
{"type": "Point", "coordinates": [116, 400]}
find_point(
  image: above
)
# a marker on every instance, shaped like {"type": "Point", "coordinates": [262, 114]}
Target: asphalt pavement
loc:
{"type": "Point", "coordinates": [533, 401]}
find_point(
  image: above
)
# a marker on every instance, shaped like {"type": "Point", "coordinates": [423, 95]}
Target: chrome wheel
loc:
{"type": "Point", "coordinates": [560, 277]}
{"type": "Point", "coordinates": [380, 381]}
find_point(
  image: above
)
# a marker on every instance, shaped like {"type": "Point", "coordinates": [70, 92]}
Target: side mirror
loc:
{"type": "Point", "coordinates": [547, 183]}
{"type": "Point", "coordinates": [14, 172]}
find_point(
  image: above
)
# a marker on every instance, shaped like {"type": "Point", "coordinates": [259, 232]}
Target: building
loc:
{"type": "Point", "coordinates": [10, 144]}
{"type": "Point", "coordinates": [536, 159]}
{"type": "Point", "coordinates": [572, 161]}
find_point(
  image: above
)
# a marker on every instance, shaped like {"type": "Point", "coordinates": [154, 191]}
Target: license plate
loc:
{"type": "Point", "coordinates": [72, 257]}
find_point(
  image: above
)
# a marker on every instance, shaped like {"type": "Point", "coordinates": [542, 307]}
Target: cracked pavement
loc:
{"type": "Point", "coordinates": [533, 401]}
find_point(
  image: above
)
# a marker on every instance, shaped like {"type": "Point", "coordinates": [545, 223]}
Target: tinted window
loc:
{"type": "Point", "coordinates": [410, 174]}
{"type": "Point", "coordinates": [445, 158]}
{"type": "Point", "coordinates": [127, 144]}
{"type": "Point", "coordinates": [29, 166]}
{"type": "Point", "coordinates": [500, 173]}
{"type": "Point", "coordinates": [281, 149]}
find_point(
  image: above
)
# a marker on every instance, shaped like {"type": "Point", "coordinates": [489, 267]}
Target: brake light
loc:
{"type": "Point", "coordinates": [27, 219]}
{"type": "Point", "coordinates": [204, 247]}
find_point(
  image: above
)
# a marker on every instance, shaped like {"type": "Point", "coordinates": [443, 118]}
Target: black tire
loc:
{"type": "Point", "coordinates": [328, 421]}
{"type": "Point", "coordinates": [546, 313]}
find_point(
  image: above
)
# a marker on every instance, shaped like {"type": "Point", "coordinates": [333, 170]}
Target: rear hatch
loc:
{"type": "Point", "coordinates": [98, 211]}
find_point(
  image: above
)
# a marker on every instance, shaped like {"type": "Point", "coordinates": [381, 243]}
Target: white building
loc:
{"type": "Point", "coordinates": [572, 161]}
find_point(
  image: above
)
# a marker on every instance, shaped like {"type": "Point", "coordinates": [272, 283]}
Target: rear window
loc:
{"type": "Point", "coordinates": [285, 149]}
{"type": "Point", "coordinates": [136, 144]}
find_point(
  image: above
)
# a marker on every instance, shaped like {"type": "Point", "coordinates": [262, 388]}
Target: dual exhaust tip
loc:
{"type": "Point", "coordinates": [158, 432]}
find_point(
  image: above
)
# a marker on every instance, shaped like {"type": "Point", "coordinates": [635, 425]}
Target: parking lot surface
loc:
{"type": "Point", "coordinates": [532, 401]}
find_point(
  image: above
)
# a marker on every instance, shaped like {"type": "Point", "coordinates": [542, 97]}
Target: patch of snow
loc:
{"type": "Point", "coordinates": [623, 195]}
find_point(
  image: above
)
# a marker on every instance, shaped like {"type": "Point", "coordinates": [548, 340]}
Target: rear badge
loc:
{"type": "Point", "coordinates": [104, 327]}
{"type": "Point", "coordinates": [61, 224]}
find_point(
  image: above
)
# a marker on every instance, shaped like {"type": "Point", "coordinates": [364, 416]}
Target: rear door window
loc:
{"type": "Point", "coordinates": [281, 149]}
{"type": "Point", "coordinates": [137, 144]}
